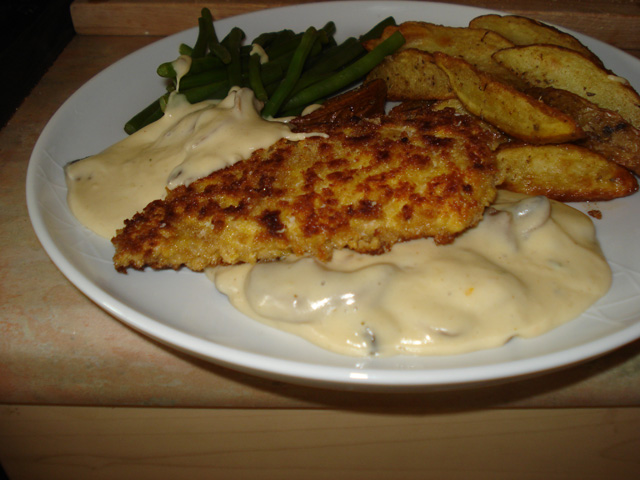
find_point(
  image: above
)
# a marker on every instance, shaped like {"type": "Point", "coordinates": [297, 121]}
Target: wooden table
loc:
{"type": "Point", "coordinates": [83, 396]}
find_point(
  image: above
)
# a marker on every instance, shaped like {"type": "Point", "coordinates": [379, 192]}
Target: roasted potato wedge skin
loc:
{"type": "Point", "coordinates": [606, 132]}
{"type": "Point", "coordinates": [527, 31]}
{"type": "Point", "coordinates": [475, 45]}
{"type": "Point", "coordinates": [412, 75]}
{"type": "Point", "coordinates": [559, 67]}
{"type": "Point", "coordinates": [568, 173]}
{"type": "Point", "coordinates": [515, 113]}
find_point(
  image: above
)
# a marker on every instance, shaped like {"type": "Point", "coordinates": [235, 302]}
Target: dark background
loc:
{"type": "Point", "coordinates": [32, 35]}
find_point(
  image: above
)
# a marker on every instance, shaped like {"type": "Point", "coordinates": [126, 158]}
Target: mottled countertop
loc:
{"type": "Point", "coordinates": [59, 348]}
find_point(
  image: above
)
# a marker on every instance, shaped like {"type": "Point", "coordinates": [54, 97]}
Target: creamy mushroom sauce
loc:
{"type": "Point", "coordinates": [528, 267]}
{"type": "Point", "coordinates": [189, 142]}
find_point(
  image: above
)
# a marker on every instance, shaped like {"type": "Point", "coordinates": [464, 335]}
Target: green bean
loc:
{"type": "Point", "coordinates": [215, 90]}
{"type": "Point", "coordinates": [208, 16]}
{"type": "Point", "coordinates": [269, 73]}
{"type": "Point", "coordinates": [283, 37]}
{"type": "Point", "coordinates": [329, 28]}
{"type": "Point", "coordinates": [185, 49]}
{"type": "Point", "coordinates": [282, 52]}
{"type": "Point", "coordinates": [293, 73]}
{"type": "Point", "coordinates": [271, 87]}
{"type": "Point", "coordinates": [140, 119]}
{"type": "Point", "coordinates": [232, 43]}
{"type": "Point", "coordinates": [156, 115]}
{"type": "Point", "coordinates": [336, 57]}
{"type": "Point", "coordinates": [203, 64]}
{"type": "Point", "coordinates": [164, 101]}
{"type": "Point", "coordinates": [255, 79]}
{"type": "Point", "coordinates": [280, 49]}
{"type": "Point", "coordinates": [166, 70]}
{"type": "Point", "coordinates": [232, 35]}
{"type": "Point", "coordinates": [215, 48]}
{"type": "Point", "coordinates": [202, 78]}
{"type": "Point", "coordinates": [376, 31]}
{"type": "Point", "coordinates": [348, 75]}
{"type": "Point", "coordinates": [198, 65]}
{"type": "Point", "coordinates": [282, 61]}
{"type": "Point", "coordinates": [322, 40]}
{"type": "Point", "coordinates": [303, 67]}
{"type": "Point", "coordinates": [265, 39]}
{"type": "Point", "coordinates": [331, 43]}
{"type": "Point", "coordinates": [220, 52]}
{"type": "Point", "coordinates": [200, 48]}
{"type": "Point", "coordinates": [307, 80]}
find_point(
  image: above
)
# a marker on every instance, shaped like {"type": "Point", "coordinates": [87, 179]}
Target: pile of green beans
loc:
{"type": "Point", "coordinates": [302, 68]}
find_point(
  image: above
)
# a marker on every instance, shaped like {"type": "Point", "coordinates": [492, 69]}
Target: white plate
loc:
{"type": "Point", "coordinates": [182, 309]}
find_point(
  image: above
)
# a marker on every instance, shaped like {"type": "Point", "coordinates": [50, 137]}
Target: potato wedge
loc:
{"type": "Point", "coordinates": [559, 67]}
{"type": "Point", "coordinates": [515, 113]}
{"type": "Point", "coordinates": [567, 173]}
{"type": "Point", "coordinates": [606, 132]}
{"type": "Point", "coordinates": [527, 31]}
{"type": "Point", "coordinates": [412, 75]}
{"type": "Point", "coordinates": [475, 45]}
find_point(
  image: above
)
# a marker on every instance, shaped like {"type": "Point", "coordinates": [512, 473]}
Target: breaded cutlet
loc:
{"type": "Point", "coordinates": [370, 184]}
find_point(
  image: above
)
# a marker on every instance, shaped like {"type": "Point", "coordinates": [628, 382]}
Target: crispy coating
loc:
{"type": "Point", "coordinates": [368, 185]}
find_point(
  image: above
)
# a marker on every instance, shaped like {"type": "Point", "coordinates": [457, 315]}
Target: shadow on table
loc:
{"type": "Point", "coordinates": [601, 382]}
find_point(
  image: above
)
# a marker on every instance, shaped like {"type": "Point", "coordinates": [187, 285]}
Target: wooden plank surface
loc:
{"type": "Point", "coordinates": [89, 443]}
{"type": "Point", "coordinates": [58, 347]}
{"type": "Point", "coordinates": [615, 22]}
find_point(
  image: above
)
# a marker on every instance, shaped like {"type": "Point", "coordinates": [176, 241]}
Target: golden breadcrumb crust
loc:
{"type": "Point", "coordinates": [368, 185]}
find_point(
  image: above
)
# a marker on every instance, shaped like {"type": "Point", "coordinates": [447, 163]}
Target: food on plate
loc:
{"type": "Point", "coordinates": [190, 141]}
{"type": "Point", "coordinates": [527, 31]}
{"type": "Point", "coordinates": [564, 172]}
{"type": "Point", "coordinates": [412, 74]}
{"type": "Point", "coordinates": [344, 78]}
{"type": "Point", "coordinates": [367, 101]}
{"type": "Point", "coordinates": [367, 185]}
{"type": "Point", "coordinates": [367, 231]}
{"type": "Point", "coordinates": [529, 266]}
{"type": "Point", "coordinates": [475, 45]}
{"type": "Point", "coordinates": [586, 105]}
{"type": "Point", "coordinates": [420, 108]}
{"type": "Point", "coordinates": [286, 70]}
{"type": "Point", "coordinates": [515, 113]}
{"type": "Point", "coordinates": [559, 67]}
{"type": "Point", "coordinates": [606, 132]}
{"type": "Point", "coordinates": [568, 173]}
